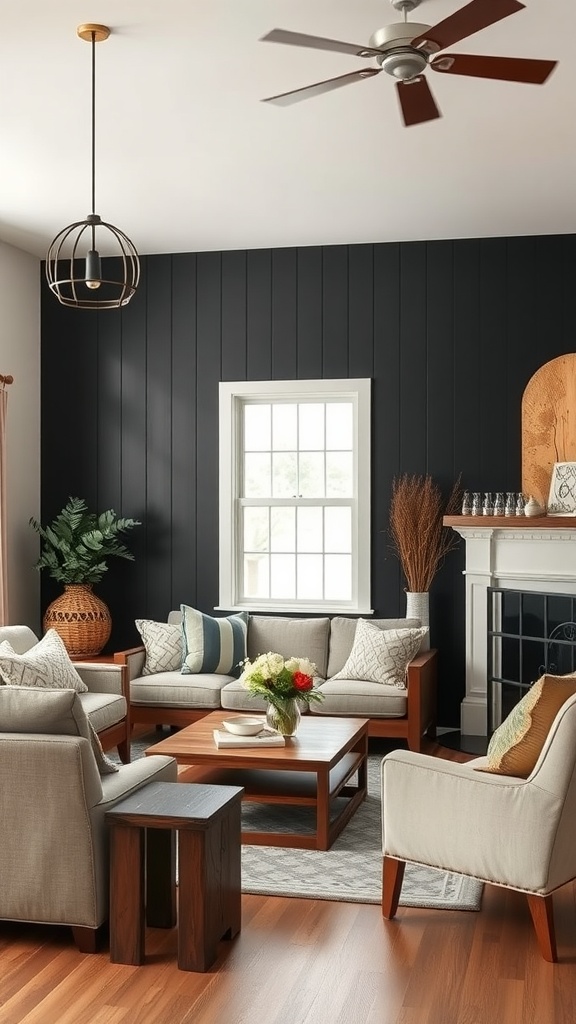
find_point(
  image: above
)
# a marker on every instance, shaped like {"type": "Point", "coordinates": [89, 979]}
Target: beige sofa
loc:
{"type": "Point", "coordinates": [54, 849]}
{"type": "Point", "coordinates": [172, 698]}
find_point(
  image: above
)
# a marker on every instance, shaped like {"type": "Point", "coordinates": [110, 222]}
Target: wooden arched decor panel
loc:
{"type": "Point", "coordinates": [548, 423]}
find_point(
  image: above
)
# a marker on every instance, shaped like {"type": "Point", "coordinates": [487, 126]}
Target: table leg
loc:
{"type": "Point", "coordinates": [160, 877]}
{"type": "Point", "coordinates": [322, 809]}
{"type": "Point", "coordinates": [209, 891]}
{"type": "Point", "coordinates": [126, 894]}
{"type": "Point", "coordinates": [196, 950]}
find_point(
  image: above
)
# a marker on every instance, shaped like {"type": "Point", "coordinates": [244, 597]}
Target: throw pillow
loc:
{"type": "Point", "coordinates": [163, 643]}
{"type": "Point", "coordinates": [43, 710]}
{"type": "Point", "coordinates": [515, 746]}
{"type": "Point", "coordinates": [46, 665]}
{"type": "Point", "coordinates": [213, 645]}
{"type": "Point", "coordinates": [381, 655]}
{"type": "Point", "coordinates": [105, 765]}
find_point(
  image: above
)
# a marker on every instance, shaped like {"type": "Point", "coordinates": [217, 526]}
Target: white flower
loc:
{"type": "Point", "coordinates": [275, 663]}
{"type": "Point", "coordinates": [301, 665]}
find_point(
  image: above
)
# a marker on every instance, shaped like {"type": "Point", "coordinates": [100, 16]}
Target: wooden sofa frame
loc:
{"type": "Point", "coordinates": [419, 721]}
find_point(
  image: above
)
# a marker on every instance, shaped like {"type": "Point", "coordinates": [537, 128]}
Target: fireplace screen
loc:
{"type": "Point", "coordinates": [529, 633]}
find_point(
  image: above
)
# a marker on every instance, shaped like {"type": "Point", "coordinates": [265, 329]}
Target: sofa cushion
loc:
{"type": "Point", "coordinates": [213, 645]}
{"type": "Point", "coordinates": [163, 643]}
{"type": "Point", "coordinates": [26, 709]}
{"type": "Point", "coordinates": [103, 710]}
{"type": "Point", "coordinates": [174, 690]}
{"type": "Point", "coordinates": [516, 744]}
{"type": "Point", "coordinates": [292, 638]}
{"type": "Point", "coordinates": [342, 632]}
{"type": "Point", "coordinates": [45, 665]}
{"type": "Point", "coordinates": [381, 655]}
{"type": "Point", "coordinates": [364, 699]}
{"type": "Point", "coordinates": [235, 696]}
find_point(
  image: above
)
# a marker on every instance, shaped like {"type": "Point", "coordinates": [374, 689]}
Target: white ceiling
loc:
{"type": "Point", "coordinates": [189, 159]}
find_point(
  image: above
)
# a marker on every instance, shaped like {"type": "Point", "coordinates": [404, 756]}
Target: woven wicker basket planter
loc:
{"type": "Point", "coordinates": [81, 619]}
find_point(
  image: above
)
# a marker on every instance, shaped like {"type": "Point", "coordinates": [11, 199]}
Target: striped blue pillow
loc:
{"type": "Point", "coordinates": [213, 645]}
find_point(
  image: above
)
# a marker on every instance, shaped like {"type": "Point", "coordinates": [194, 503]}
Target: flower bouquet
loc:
{"type": "Point", "coordinates": [283, 683]}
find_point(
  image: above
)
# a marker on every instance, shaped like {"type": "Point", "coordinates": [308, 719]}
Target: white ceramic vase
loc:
{"type": "Point", "coordinates": [418, 607]}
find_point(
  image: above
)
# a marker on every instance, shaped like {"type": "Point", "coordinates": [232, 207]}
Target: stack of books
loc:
{"type": "Point", "coordinates": [264, 738]}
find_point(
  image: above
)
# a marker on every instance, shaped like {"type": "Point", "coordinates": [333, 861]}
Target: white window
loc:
{"type": "Point", "coordinates": [295, 495]}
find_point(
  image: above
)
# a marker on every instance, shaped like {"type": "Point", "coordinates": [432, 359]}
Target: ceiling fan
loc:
{"type": "Point", "coordinates": [404, 50]}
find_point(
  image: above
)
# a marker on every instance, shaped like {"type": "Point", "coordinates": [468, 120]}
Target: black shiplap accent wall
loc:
{"type": "Point", "coordinates": [450, 333]}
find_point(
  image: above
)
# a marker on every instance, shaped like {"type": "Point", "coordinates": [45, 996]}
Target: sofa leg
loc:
{"type": "Point", "coordinates": [542, 913]}
{"type": "Point", "coordinates": [85, 939]}
{"type": "Point", "coordinates": [392, 878]}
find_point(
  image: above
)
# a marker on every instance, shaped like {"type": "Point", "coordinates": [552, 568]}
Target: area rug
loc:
{"type": "Point", "coordinates": [351, 871]}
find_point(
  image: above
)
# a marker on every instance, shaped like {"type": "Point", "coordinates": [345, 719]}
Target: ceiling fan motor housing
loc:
{"type": "Point", "coordinates": [400, 59]}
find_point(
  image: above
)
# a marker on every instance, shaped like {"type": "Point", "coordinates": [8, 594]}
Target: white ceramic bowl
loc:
{"type": "Point", "coordinates": [243, 726]}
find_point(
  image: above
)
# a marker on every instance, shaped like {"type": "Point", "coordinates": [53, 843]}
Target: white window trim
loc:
{"type": "Point", "coordinates": [232, 395]}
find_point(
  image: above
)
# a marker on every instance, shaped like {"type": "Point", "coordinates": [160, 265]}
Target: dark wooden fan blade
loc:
{"type": "Point", "coordinates": [469, 19]}
{"type": "Point", "coordinates": [506, 69]}
{"type": "Point", "coordinates": [285, 98]}
{"type": "Point", "coordinates": [416, 101]}
{"type": "Point", "coordinates": [280, 35]}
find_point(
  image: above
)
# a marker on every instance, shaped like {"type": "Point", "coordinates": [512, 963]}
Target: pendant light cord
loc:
{"type": "Point", "coordinates": [93, 133]}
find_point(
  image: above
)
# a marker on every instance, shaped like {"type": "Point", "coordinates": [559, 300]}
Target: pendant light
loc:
{"type": "Point", "coordinates": [74, 267]}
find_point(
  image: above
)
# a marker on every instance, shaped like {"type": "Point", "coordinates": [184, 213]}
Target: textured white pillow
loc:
{"type": "Point", "coordinates": [163, 643]}
{"type": "Point", "coordinates": [381, 655]}
{"type": "Point", "coordinates": [46, 665]}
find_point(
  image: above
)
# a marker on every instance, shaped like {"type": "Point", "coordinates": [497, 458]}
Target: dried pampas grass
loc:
{"type": "Point", "coordinates": [419, 538]}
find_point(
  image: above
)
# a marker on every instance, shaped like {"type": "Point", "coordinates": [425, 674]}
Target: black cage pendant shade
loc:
{"type": "Point", "coordinates": [74, 268]}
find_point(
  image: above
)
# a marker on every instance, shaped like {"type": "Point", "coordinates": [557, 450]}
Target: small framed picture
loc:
{"type": "Point", "coordinates": [562, 497]}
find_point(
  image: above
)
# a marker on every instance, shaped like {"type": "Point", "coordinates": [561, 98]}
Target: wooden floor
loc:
{"type": "Point", "coordinates": [310, 962]}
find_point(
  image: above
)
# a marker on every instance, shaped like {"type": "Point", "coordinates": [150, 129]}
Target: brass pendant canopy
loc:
{"type": "Point", "coordinates": [74, 269]}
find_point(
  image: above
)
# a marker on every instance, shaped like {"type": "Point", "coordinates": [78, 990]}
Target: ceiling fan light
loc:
{"type": "Point", "coordinates": [404, 63]}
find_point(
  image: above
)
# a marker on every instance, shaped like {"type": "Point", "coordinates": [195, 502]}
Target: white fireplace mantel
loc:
{"type": "Point", "coordinates": [520, 554]}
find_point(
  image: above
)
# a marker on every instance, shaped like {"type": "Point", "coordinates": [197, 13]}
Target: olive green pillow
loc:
{"type": "Point", "coordinates": [516, 744]}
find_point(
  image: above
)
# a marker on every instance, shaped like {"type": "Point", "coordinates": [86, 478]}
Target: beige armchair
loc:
{"type": "Point", "coordinates": [106, 703]}
{"type": "Point", "coordinates": [512, 832]}
{"type": "Point", "coordinates": [54, 849]}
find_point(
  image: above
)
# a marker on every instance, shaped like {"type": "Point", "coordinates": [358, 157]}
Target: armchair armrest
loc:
{"type": "Point", "coordinates": [494, 827]}
{"type": "Point", "coordinates": [103, 677]}
{"type": "Point", "coordinates": [422, 699]}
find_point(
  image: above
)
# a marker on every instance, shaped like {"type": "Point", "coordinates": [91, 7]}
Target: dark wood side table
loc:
{"type": "Point", "coordinates": [143, 869]}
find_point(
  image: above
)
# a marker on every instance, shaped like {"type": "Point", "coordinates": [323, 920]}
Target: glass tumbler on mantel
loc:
{"type": "Point", "coordinates": [418, 607]}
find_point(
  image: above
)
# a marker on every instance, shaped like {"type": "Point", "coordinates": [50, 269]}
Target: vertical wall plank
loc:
{"type": "Point", "coordinates": [208, 341]}
{"type": "Point", "coordinates": [335, 311]}
{"type": "Point", "coordinates": [284, 306]}
{"type": "Point", "coordinates": [413, 411]}
{"type": "Point", "coordinates": [259, 315]}
{"type": "Point", "coordinates": [159, 553]}
{"type": "Point", "coordinates": [361, 310]}
{"type": "Point", "coordinates": [184, 432]}
{"type": "Point", "coordinates": [309, 313]}
{"type": "Point", "coordinates": [234, 311]}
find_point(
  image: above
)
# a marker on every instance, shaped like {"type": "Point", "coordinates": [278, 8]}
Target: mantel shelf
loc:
{"type": "Point", "coordinates": [513, 522]}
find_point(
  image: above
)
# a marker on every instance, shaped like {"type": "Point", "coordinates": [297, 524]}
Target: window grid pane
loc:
{"type": "Point", "coordinates": [297, 514]}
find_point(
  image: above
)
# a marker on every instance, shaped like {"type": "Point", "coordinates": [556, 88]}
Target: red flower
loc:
{"type": "Point", "coordinates": [302, 681]}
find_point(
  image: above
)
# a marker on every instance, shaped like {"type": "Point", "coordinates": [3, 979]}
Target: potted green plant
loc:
{"type": "Point", "coordinates": [75, 550]}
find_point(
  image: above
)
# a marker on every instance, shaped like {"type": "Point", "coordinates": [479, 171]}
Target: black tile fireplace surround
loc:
{"type": "Point", "coordinates": [529, 633]}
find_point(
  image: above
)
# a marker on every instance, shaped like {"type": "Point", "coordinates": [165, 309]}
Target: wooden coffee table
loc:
{"type": "Point", "coordinates": [312, 769]}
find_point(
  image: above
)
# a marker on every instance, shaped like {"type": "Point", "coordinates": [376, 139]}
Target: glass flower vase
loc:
{"type": "Point", "coordinates": [284, 716]}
